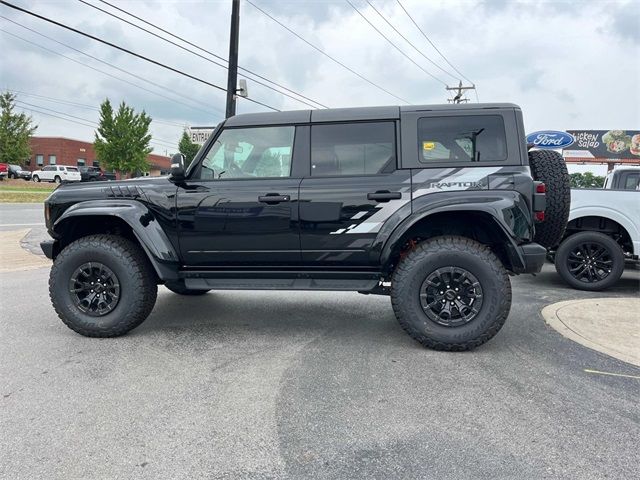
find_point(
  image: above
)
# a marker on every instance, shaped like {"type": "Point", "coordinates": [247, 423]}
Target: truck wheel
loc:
{"type": "Point", "coordinates": [549, 167]}
{"type": "Point", "coordinates": [36, 178]}
{"type": "Point", "coordinates": [57, 179]}
{"type": "Point", "coordinates": [179, 288]}
{"type": "Point", "coordinates": [451, 293]}
{"type": "Point", "coordinates": [590, 261]}
{"type": "Point", "coordinates": [102, 286]}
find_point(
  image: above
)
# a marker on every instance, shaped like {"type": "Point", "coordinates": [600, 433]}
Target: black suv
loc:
{"type": "Point", "coordinates": [432, 205]}
{"type": "Point", "coordinates": [91, 174]}
{"type": "Point", "coordinates": [16, 171]}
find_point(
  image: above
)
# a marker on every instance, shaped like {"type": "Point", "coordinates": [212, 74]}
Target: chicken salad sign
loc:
{"type": "Point", "coordinates": [619, 144]}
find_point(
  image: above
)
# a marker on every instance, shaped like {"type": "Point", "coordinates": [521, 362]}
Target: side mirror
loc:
{"type": "Point", "coordinates": [177, 167]}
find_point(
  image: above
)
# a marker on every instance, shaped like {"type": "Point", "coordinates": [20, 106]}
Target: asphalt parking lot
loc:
{"type": "Point", "coordinates": [306, 385]}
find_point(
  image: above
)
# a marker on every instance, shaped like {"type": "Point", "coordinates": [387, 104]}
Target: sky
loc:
{"type": "Point", "coordinates": [569, 64]}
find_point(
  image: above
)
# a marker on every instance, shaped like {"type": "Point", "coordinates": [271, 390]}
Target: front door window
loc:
{"type": "Point", "coordinates": [262, 152]}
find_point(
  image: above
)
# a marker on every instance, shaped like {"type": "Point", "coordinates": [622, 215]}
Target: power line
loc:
{"type": "Point", "coordinates": [394, 45]}
{"type": "Point", "coordinates": [409, 42]}
{"type": "Point", "coordinates": [102, 71]}
{"type": "Point", "coordinates": [83, 121]}
{"type": "Point", "coordinates": [130, 52]}
{"type": "Point", "coordinates": [31, 109]}
{"type": "Point", "coordinates": [157, 140]}
{"type": "Point", "coordinates": [433, 44]}
{"type": "Point", "coordinates": [182, 39]}
{"type": "Point", "coordinates": [194, 53]}
{"type": "Point", "coordinates": [83, 105]}
{"type": "Point", "coordinates": [326, 54]}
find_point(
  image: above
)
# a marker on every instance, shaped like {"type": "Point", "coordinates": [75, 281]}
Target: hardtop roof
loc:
{"type": "Point", "coordinates": [352, 113]}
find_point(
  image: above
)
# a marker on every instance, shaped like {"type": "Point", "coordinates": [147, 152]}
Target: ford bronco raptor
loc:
{"type": "Point", "coordinates": [432, 205]}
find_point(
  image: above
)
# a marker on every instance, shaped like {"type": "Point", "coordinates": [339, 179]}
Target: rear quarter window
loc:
{"type": "Point", "coordinates": [462, 139]}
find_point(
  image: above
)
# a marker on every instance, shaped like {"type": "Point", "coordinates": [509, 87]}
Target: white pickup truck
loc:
{"type": "Point", "coordinates": [603, 233]}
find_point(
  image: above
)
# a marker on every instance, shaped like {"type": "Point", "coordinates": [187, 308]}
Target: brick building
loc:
{"type": "Point", "coordinates": [66, 151]}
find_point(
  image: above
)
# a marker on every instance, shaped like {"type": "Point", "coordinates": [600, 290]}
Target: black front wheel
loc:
{"type": "Point", "coordinates": [590, 261]}
{"type": "Point", "coordinates": [102, 286]}
{"type": "Point", "coordinates": [451, 293]}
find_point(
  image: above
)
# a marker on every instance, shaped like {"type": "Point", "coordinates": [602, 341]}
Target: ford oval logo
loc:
{"type": "Point", "coordinates": [550, 139]}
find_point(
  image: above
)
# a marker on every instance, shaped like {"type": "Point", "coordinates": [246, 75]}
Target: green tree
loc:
{"type": "Point", "coordinates": [187, 148]}
{"type": "Point", "coordinates": [122, 139]}
{"type": "Point", "coordinates": [16, 130]}
{"type": "Point", "coordinates": [586, 180]}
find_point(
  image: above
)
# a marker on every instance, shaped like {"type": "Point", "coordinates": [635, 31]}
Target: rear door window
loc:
{"type": "Point", "coordinates": [631, 181]}
{"type": "Point", "coordinates": [462, 139]}
{"type": "Point", "coordinates": [365, 148]}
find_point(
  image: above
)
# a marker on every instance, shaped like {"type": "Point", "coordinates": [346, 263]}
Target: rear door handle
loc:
{"type": "Point", "coordinates": [274, 198]}
{"type": "Point", "coordinates": [384, 196]}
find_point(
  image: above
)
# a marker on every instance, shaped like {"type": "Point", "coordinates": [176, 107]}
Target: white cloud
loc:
{"type": "Point", "coordinates": [570, 64]}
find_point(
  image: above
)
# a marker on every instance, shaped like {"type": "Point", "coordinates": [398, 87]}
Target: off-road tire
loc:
{"type": "Point", "coordinates": [137, 285]}
{"type": "Point", "coordinates": [179, 288]}
{"type": "Point", "coordinates": [439, 253]}
{"type": "Point", "coordinates": [36, 178]}
{"type": "Point", "coordinates": [613, 249]}
{"type": "Point", "coordinates": [549, 167]}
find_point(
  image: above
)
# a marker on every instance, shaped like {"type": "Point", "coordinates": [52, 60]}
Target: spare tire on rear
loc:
{"type": "Point", "coordinates": [550, 168]}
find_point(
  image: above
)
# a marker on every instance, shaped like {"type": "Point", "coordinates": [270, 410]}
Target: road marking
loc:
{"type": "Point", "coordinates": [612, 374]}
{"type": "Point", "coordinates": [22, 224]}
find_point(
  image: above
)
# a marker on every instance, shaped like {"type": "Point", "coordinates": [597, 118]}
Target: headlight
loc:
{"type": "Point", "coordinates": [46, 213]}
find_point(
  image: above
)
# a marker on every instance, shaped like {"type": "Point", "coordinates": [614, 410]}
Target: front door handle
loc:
{"type": "Point", "coordinates": [273, 198]}
{"type": "Point", "coordinates": [384, 196]}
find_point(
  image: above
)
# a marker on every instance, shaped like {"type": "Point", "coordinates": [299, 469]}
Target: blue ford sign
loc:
{"type": "Point", "coordinates": [550, 139]}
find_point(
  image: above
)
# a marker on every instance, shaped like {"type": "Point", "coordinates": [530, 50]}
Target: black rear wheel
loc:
{"type": "Point", "coordinates": [451, 293]}
{"type": "Point", "coordinates": [590, 261]}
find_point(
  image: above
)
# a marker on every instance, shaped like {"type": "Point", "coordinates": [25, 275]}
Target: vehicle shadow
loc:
{"type": "Point", "coordinates": [276, 314]}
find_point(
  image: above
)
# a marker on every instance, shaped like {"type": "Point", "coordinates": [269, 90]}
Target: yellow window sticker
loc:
{"type": "Point", "coordinates": [428, 145]}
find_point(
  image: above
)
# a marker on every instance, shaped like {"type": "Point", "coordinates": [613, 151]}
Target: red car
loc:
{"type": "Point", "coordinates": [4, 170]}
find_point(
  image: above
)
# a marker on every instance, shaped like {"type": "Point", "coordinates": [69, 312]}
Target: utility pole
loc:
{"type": "Point", "coordinates": [458, 97]}
{"type": "Point", "coordinates": [232, 78]}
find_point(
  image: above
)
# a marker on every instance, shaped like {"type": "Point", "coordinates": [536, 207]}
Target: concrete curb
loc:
{"type": "Point", "coordinates": [14, 258]}
{"type": "Point", "coordinates": [607, 325]}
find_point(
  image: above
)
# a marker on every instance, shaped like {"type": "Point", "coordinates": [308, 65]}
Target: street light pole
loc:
{"type": "Point", "coordinates": [232, 79]}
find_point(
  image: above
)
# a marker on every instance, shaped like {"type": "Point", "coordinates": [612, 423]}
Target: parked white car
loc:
{"type": "Point", "coordinates": [57, 173]}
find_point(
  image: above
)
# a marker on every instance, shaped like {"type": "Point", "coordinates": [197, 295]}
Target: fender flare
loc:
{"type": "Point", "coordinates": [154, 241]}
{"type": "Point", "coordinates": [506, 208]}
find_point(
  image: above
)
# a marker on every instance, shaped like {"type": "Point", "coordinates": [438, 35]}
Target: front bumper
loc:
{"type": "Point", "coordinates": [49, 248]}
{"type": "Point", "coordinates": [533, 257]}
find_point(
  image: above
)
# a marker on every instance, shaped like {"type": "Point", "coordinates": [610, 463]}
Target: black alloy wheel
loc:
{"type": "Point", "coordinates": [451, 296]}
{"type": "Point", "coordinates": [589, 261]}
{"type": "Point", "coordinates": [94, 289]}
